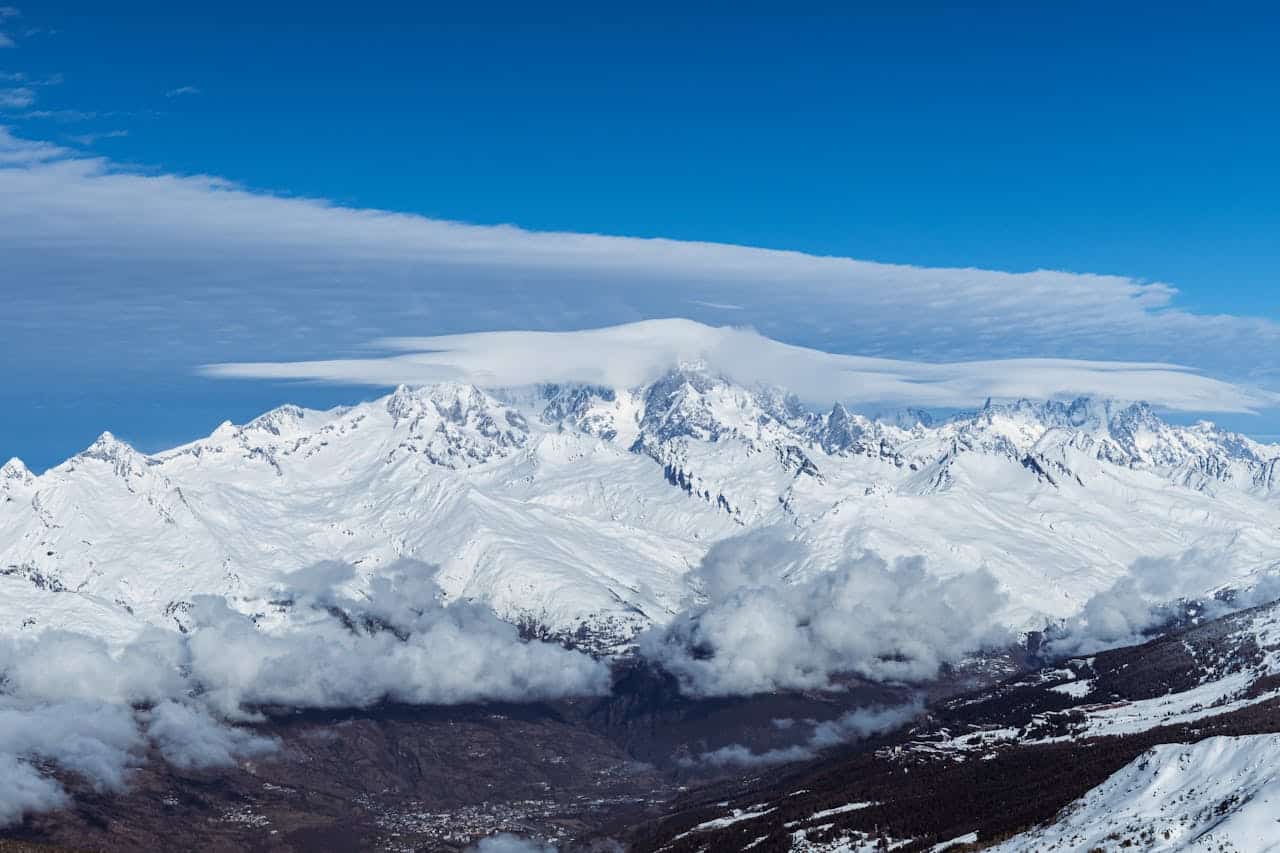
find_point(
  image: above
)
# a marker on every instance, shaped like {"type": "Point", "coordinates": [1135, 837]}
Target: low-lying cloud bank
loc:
{"type": "Point", "coordinates": [506, 842]}
{"type": "Point", "coordinates": [70, 701]}
{"type": "Point", "coordinates": [96, 740]}
{"type": "Point", "coordinates": [853, 726]}
{"type": "Point", "coordinates": [766, 619]}
{"type": "Point", "coordinates": [1154, 593]}
{"type": "Point", "coordinates": [395, 642]}
{"type": "Point", "coordinates": [757, 631]}
{"type": "Point", "coordinates": [638, 353]}
{"type": "Point", "coordinates": [102, 742]}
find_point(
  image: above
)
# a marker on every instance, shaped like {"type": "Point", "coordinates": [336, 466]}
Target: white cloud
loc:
{"type": "Point", "coordinates": [98, 740]}
{"type": "Point", "coordinates": [91, 138]}
{"type": "Point", "coordinates": [69, 667]}
{"type": "Point", "coordinates": [855, 725]}
{"type": "Point", "coordinates": [760, 631]}
{"type": "Point", "coordinates": [720, 306]}
{"type": "Point", "coordinates": [28, 80]}
{"type": "Point", "coordinates": [17, 98]}
{"type": "Point", "coordinates": [17, 152]}
{"type": "Point", "coordinates": [182, 90]}
{"type": "Point", "coordinates": [637, 353]}
{"type": "Point", "coordinates": [6, 12]}
{"type": "Point", "coordinates": [26, 790]}
{"type": "Point", "coordinates": [156, 268]}
{"type": "Point", "coordinates": [189, 736]}
{"type": "Point", "coordinates": [505, 842]}
{"type": "Point", "coordinates": [413, 650]}
{"type": "Point", "coordinates": [102, 742]}
{"type": "Point", "coordinates": [62, 115]}
{"type": "Point", "coordinates": [1150, 596]}
{"type": "Point", "coordinates": [68, 699]}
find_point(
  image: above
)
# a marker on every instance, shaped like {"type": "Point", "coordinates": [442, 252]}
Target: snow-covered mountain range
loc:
{"type": "Point", "coordinates": [579, 508]}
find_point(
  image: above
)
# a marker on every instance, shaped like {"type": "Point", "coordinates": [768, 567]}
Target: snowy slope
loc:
{"type": "Point", "coordinates": [1238, 668]}
{"type": "Point", "coordinates": [1221, 794]}
{"type": "Point", "coordinates": [579, 506]}
{"type": "Point", "coordinates": [1183, 678]}
{"type": "Point", "coordinates": [1006, 761]}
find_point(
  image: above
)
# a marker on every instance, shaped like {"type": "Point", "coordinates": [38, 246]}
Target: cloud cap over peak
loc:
{"type": "Point", "coordinates": [637, 353]}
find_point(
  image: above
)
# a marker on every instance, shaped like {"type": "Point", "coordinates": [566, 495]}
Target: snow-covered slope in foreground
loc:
{"type": "Point", "coordinates": [1221, 794]}
{"type": "Point", "coordinates": [576, 507]}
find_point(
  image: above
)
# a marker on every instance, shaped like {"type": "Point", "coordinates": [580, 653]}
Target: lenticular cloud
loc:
{"type": "Point", "coordinates": [757, 631]}
{"type": "Point", "coordinates": [70, 701]}
{"type": "Point", "coordinates": [638, 353]}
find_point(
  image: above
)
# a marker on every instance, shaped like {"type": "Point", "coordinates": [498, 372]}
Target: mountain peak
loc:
{"type": "Point", "coordinates": [226, 429]}
{"type": "Point", "coordinates": [694, 402]}
{"type": "Point", "coordinates": [449, 400]}
{"type": "Point", "coordinates": [16, 470]}
{"type": "Point", "coordinates": [121, 455]}
{"type": "Point", "coordinates": [455, 424]}
{"type": "Point", "coordinates": [841, 431]}
{"type": "Point", "coordinates": [279, 421]}
{"type": "Point", "coordinates": [107, 446]}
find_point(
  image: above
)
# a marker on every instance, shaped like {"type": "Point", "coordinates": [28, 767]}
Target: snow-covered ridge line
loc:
{"type": "Point", "coordinates": [578, 506]}
{"type": "Point", "coordinates": [693, 403]}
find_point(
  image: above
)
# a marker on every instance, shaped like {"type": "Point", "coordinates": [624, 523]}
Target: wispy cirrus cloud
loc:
{"type": "Point", "coordinates": [182, 90]}
{"type": "Point", "coordinates": [16, 152]}
{"type": "Point", "coordinates": [7, 12]}
{"type": "Point", "coordinates": [18, 97]}
{"type": "Point", "coordinates": [30, 80]}
{"type": "Point", "coordinates": [91, 138]}
{"type": "Point", "coordinates": [60, 115]}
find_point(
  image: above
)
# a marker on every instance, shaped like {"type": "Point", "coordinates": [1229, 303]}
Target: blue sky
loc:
{"type": "Point", "coordinates": [1138, 145]}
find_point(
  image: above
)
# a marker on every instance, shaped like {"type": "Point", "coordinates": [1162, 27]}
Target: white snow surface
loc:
{"type": "Point", "coordinates": [967, 838]}
{"type": "Point", "coordinates": [1221, 691]}
{"type": "Point", "coordinates": [578, 506]}
{"type": "Point", "coordinates": [1228, 683]}
{"type": "Point", "coordinates": [1221, 794]}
